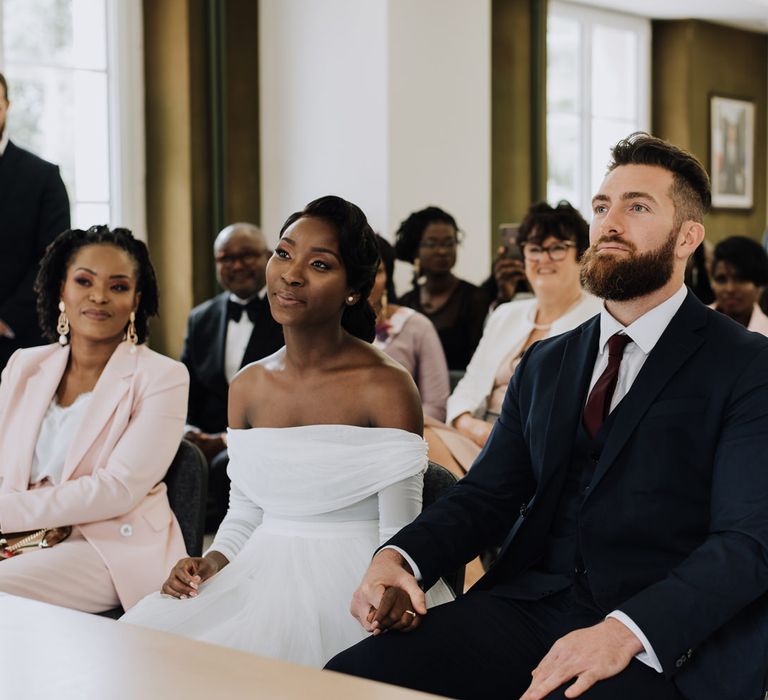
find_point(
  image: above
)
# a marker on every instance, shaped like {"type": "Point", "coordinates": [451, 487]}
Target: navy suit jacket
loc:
{"type": "Point", "coordinates": [673, 529]}
{"type": "Point", "coordinates": [34, 209]}
{"type": "Point", "coordinates": [203, 354]}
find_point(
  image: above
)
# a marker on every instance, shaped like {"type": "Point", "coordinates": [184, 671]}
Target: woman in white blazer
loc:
{"type": "Point", "coordinates": [552, 240]}
{"type": "Point", "coordinates": [88, 427]}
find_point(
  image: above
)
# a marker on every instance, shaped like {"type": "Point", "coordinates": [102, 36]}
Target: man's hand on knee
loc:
{"type": "Point", "coordinates": [588, 655]}
{"type": "Point", "coordinates": [387, 570]}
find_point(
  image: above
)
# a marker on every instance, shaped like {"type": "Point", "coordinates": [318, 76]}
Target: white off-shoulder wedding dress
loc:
{"type": "Point", "coordinates": [308, 507]}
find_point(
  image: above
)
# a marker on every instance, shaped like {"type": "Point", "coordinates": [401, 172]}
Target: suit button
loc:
{"type": "Point", "coordinates": [579, 570]}
{"type": "Point", "coordinates": [126, 530]}
{"type": "Point", "coordinates": [681, 661]}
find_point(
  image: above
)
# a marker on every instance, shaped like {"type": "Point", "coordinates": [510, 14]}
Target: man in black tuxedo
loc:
{"type": "Point", "coordinates": [625, 482]}
{"type": "Point", "coordinates": [34, 209]}
{"type": "Point", "coordinates": [223, 334]}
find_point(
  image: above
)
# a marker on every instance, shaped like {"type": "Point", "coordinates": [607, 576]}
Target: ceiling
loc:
{"type": "Point", "coordinates": [747, 14]}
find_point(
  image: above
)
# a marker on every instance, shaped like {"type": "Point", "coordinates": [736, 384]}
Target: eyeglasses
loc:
{"type": "Point", "coordinates": [431, 244]}
{"type": "Point", "coordinates": [244, 258]}
{"type": "Point", "coordinates": [556, 251]}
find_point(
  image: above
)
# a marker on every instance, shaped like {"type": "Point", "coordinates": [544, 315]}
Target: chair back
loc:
{"type": "Point", "coordinates": [437, 481]}
{"type": "Point", "coordinates": [187, 482]}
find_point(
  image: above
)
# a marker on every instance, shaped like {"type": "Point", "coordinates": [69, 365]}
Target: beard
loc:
{"type": "Point", "coordinates": [635, 276]}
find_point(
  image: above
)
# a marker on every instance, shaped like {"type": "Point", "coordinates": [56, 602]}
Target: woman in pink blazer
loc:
{"type": "Point", "coordinates": [88, 427]}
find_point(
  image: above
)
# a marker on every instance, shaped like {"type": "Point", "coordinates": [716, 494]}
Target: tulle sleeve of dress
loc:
{"type": "Point", "coordinates": [399, 504]}
{"type": "Point", "coordinates": [242, 518]}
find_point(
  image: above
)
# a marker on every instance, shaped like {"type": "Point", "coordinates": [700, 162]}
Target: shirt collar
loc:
{"type": "Point", "coordinates": [646, 330]}
{"type": "Point", "coordinates": [3, 142]}
{"type": "Point", "coordinates": [261, 294]}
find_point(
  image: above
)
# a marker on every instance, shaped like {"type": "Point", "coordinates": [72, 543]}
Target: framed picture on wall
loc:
{"type": "Point", "coordinates": [732, 140]}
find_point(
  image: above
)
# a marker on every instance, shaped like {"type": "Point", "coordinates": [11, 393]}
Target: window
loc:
{"type": "Point", "coordinates": [71, 80]}
{"type": "Point", "coordinates": [598, 83]}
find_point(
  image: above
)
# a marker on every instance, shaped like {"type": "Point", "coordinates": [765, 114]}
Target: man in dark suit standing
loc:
{"type": "Point", "coordinates": [223, 334]}
{"type": "Point", "coordinates": [34, 209]}
{"type": "Point", "coordinates": [624, 481]}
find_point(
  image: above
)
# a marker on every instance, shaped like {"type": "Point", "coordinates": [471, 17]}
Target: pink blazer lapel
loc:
{"type": "Point", "coordinates": [28, 415]}
{"type": "Point", "coordinates": [110, 390]}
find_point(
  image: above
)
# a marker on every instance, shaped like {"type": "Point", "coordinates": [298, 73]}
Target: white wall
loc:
{"type": "Point", "coordinates": [384, 102]}
{"type": "Point", "coordinates": [440, 119]}
{"type": "Point", "coordinates": [323, 105]}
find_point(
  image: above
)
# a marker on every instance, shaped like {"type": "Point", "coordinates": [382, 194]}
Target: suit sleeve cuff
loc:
{"type": "Point", "coordinates": [648, 655]}
{"type": "Point", "coordinates": [407, 557]}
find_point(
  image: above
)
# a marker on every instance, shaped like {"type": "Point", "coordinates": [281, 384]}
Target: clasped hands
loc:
{"type": "Point", "coordinates": [389, 597]}
{"type": "Point", "coordinates": [389, 590]}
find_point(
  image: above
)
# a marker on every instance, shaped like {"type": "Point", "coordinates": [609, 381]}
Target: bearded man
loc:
{"type": "Point", "coordinates": [625, 482]}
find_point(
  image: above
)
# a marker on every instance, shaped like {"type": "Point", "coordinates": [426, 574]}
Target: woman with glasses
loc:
{"type": "Point", "coordinates": [552, 240]}
{"type": "Point", "coordinates": [429, 238]}
{"type": "Point", "coordinates": [739, 273]}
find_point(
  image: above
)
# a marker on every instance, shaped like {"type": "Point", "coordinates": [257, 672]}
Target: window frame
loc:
{"type": "Point", "coordinates": [125, 114]}
{"type": "Point", "coordinates": [588, 18]}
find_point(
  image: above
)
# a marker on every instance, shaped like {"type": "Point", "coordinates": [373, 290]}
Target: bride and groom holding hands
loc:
{"type": "Point", "coordinates": [622, 481]}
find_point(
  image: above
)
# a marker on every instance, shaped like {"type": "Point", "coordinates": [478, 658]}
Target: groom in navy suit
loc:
{"type": "Point", "coordinates": [625, 482]}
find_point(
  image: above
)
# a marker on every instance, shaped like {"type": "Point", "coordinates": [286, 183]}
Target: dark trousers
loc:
{"type": "Point", "coordinates": [485, 646]}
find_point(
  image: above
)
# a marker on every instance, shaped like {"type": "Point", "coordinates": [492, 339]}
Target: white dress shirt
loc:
{"type": "Point", "coordinates": [56, 433]}
{"type": "Point", "coordinates": [238, 335]}
{"type": "Point", "coordinates": [644, 333]}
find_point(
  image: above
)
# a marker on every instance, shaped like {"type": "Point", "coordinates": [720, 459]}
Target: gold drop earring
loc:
{"type": "Point", "coordinates": [130, 334]}
{"type": "Point", "coordinates": [62, 325]}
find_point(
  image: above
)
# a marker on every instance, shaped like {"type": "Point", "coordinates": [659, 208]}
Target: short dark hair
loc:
{"type": "Point", "coordinates": [748, 258]}
{"type": "Point", "coordinates": [691, 191]}
{"type": "Point", "coordinates": [408, 236]}
{"type": "Point", "coordinates": [4, 84]}
{"type": "Point", "coordinates": [359, 253]}
{"type": "Point", "coordinates": [562, 221]}
{"type": "Point", "coordinates": [59, 254]}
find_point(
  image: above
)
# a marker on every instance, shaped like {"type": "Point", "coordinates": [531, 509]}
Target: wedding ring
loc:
{"type": "Point", "coordinates": [410, 612]}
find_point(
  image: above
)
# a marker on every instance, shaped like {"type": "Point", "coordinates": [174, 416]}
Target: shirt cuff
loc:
{"type": "Point", "coordinates": [648, 655]}
{"type": "Point", "coordinates": [407, 557]}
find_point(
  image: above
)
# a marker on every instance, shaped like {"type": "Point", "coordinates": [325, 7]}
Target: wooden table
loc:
{"type": "Point", "coordinates": [54, 653]}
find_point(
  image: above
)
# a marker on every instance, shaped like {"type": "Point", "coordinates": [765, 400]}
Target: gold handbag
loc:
{"type": "Point", "coordinates": [14, 543]}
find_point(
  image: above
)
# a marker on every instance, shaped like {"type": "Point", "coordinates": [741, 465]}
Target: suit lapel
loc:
{"type": "Point", "coordinates": [7, 168]}
{"type": "Point", "coordinates": [37, 397]}
{"type": "Point", "coordinates": [676, 344]}
{"type": "Point", "coordinates": [111, 387]}
{"type": "Point", "coordinates": [220, 335]}
{"type": "Point", "coordinates": [568, 399]}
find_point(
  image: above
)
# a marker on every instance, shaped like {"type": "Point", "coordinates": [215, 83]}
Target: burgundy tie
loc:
{"type": "Point", "coordinates": [599, 401]}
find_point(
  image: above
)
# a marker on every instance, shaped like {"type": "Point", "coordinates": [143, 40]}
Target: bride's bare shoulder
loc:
{"type": "Point", "coordinates": [260, 370]}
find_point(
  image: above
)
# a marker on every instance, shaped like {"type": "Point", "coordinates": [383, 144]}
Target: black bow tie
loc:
{"type": "Point", "coordinates": [235, 310]}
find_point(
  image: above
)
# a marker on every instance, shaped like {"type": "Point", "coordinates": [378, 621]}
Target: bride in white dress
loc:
{"type": "Point", "coordinates": [326, 461]}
